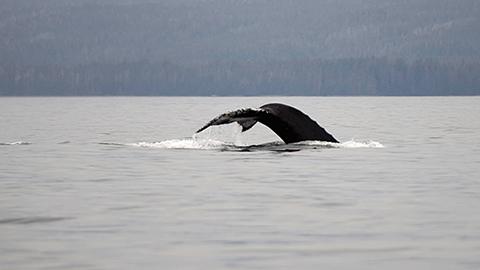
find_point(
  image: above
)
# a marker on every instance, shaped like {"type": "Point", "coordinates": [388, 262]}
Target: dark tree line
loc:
{"type": "Point", "coordinates": [366, 76]}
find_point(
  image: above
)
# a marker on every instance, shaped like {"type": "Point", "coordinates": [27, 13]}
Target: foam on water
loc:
{"type": "Point", "coordinates": [348, 144]}
{"type": "Point", "coordinates": [188, 143]}
{"type": "Point", "coordinates": [367, 144]}
{"type": "Point", "coordinates": [16, 143]}
{"type": "Point", "coordinates": [210, 144]}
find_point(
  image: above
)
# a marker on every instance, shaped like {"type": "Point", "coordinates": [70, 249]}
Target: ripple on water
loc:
{"type": "Point", "coordinates": [32, 220]}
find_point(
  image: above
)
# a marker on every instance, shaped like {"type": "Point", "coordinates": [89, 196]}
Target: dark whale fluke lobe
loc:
{"type": "Point", "coordinates": [289, 123]}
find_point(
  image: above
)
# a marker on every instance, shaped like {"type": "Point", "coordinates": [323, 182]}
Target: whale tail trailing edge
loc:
{"type": "Point", "coordinates": [290, 124]}
{"type": "Point", "coordinates": [247, 118]}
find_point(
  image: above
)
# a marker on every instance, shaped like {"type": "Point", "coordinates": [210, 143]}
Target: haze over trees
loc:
{"type": "Point", "coordinates": [240, 47]}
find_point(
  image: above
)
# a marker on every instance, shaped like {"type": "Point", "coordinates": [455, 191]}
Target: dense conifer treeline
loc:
{"type": "Point", "coordinates": [231, 47]}
{"type": "Point", "coordinates": [368, 76]}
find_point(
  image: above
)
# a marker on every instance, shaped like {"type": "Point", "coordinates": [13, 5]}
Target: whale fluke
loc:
{"type": "Point", "coordinates": [289, 123]}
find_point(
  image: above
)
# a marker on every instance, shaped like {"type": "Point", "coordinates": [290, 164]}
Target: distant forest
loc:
{"type": "Point", "coordinates": [356, 76]}
{"type": "Point", "coordinates": [232, 47]}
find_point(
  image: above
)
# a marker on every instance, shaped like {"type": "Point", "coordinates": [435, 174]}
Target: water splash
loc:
{"type": "Point", "coordinates": [229, 134]}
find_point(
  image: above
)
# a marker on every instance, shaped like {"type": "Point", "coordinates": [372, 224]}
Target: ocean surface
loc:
{"type": "Point", "coordinates": [122, 183]}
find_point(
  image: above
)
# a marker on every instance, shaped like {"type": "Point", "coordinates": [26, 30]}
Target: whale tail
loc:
{"type": "Point", "coordinates": [290, 124]}
{"type": "Point", "coordinates": [247, 118]}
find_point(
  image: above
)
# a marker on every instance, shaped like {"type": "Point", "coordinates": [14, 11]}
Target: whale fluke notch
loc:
{"type": "Point", "coordinates": [289, 123]}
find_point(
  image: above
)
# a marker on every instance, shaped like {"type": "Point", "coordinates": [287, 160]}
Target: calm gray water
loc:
{"type": "Point", "coordinates": [119, 183]}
